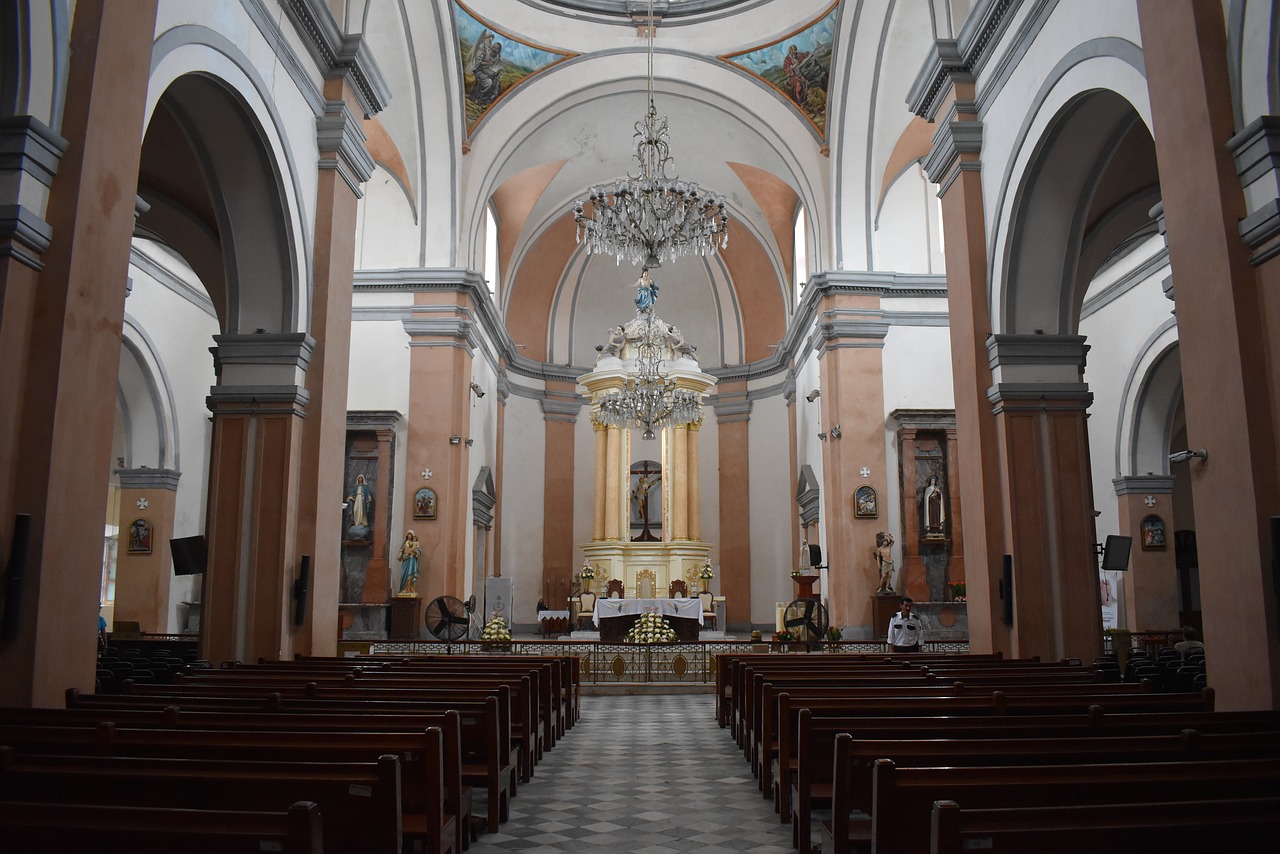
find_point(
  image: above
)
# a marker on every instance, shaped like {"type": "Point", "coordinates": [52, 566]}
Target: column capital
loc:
{"type": "Point", "coordinates": [340, 56]}
{"type": "Point", "coordinates": [1037, 358]}
{"type": "Point", "coordinates": [957, 147]}
{"type": "Point", "coordinates": [341, 141]}
{"type": "Point", "coordinates": [729, 411]}
{"type": "Point", "coordinates": [557, 409]}
{"type": "Point", "coordinates": [1256, 150]}
{"type": "Point", "coordinates": [260, 372]}
{"type": "Point", "coordinates": [145, 478]}
{"type": "Point", "coordinates": [1155, 484]}
{"type": "Point", "coordinates": [29, 156]}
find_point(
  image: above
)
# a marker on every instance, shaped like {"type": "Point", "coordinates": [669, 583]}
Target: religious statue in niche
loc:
{"type": "Point", "coordinates": [933, 508]}
{"type": "Point", "coordinates": [410, 554]}
{"type": "Point", "coordinates": [884, 561]}
{"type": "Point", "coordinates": [360, 502]}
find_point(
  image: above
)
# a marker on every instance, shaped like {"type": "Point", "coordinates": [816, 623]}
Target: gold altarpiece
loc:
{"type": "Point", "coordinates": [680, 552]}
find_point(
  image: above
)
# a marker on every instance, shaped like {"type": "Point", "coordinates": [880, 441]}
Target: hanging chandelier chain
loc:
{"type": "Point", "coordinates": [650, 217]}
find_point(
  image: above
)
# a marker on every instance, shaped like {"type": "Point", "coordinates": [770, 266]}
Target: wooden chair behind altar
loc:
{"type": "Point", "coordinates": [615, 586]}
{"type": "Point", "coordinates": [646, 584]}
{"type": "Point", "coordinates": [708, 608]}
{"type": "Point", "coordinates": [586, 607]}
{"type": "Point", "coordinates": [678, 588]}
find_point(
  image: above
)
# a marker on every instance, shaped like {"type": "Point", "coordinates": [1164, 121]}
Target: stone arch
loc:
{"type": "Point", "coordinates": [1152, 401]}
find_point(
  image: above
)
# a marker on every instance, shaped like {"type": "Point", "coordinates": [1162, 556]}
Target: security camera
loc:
{"type": "Point", "coordinates": [1184, 456]}
{"type": "Point", "coordinates": [813, 395]}
{"type": "Point", "coordinates": [822, 437]}
{"type": "Point", "coordinates": [477, 390]}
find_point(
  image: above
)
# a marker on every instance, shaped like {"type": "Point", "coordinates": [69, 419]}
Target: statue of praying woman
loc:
{"type": "Point", "coordinates": [934, 512]}
{"type": "Point", "coordinates": [361, 503]}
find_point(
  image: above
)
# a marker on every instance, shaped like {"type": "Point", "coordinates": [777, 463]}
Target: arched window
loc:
{"type": "Point", "coordinates": [491, 271]}
{"type": "Point", "coordinates": [800, 252]}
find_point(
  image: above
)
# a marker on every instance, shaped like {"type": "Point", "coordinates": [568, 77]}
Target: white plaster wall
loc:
{"type": "Point", "coordinates": [378, 376]}
{"type": "Point", "coordinates": [772, 515]}
{"type": "Point", "coordinates": [386, 233]}
{"type": "Point", "coordinates": [523, 513]}
{"type": "Point", "coordinates": [917, 367]}
{"type": "Point", "coordinates": [907, 228]}
{"type": "Point", "coordinates": [1118, 335]}
{"type": "Point", "coordinates": [180, 334]}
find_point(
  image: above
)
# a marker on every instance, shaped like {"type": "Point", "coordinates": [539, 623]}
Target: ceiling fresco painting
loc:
{"type": "Point", "coordinates": [494, 63]}
{"type": "Point", "coordinates": [798, 66]}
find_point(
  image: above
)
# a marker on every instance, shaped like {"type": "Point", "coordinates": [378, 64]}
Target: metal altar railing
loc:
{"type": "Point", "coordinates": [610, 663]}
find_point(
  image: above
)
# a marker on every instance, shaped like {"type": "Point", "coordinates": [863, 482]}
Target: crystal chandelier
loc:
{"type": "Point", "coordinates": [649, 217]}
{"type": "Point", "coordinates": [649, 400]}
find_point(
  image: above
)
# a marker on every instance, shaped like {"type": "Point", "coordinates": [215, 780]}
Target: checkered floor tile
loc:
{"type": "Point", "coordinates": [642, 774]}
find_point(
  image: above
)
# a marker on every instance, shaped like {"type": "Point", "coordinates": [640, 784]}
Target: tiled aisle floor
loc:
{"type": "Point", "coordinates": [642, 775]}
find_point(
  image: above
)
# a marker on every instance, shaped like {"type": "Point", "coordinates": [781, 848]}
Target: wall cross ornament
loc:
{"type": "Point", "coordinates": [1150, 501]}
{"type": "Point", "coordinates": [865, 472]}
{"type": "Point", "coordinates": [143, 502]}
{"type": "Point", "coordinates": [426, 474]}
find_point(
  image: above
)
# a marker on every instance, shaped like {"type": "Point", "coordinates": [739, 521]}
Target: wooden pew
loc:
{"type": "Point", "coordinates": [102, 829]}
{"type": "Point", "coordinates": [486, 741]}
{"type": "Point", "coordinates": [995, 698]}
{"type": "Point", "coordinates": [434, 802]}
{"type": "Point", "coordinates": [359, 801]}
{"type": "Point", "coordinates": [1030, 744]}
{"type": "Point", "coordinates": [1178, 827]}
{"type": "Point", "coordinates": [902, 798]}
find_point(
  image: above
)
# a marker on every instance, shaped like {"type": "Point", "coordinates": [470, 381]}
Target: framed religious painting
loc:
{"type": "Point", "coordinates": [424, 503]}
{"type": "Point", "coordinates": [140, 537]}
{"type": "Point", "coordinates": [865, 505]}
{"type": "Point", "coordinates": [1153, 532]}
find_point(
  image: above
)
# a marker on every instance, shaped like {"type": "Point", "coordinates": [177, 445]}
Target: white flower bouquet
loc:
{"type": "Point", "coordinates": [496, 630]}
{"type": "Point", "coordinates": [650, 628]}
{"type": "Point", "coordinates": [588, 571]}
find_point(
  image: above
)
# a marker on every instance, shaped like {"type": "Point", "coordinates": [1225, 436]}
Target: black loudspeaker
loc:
{"type": "Point", "coordinates": [300, 591]}
{"type": "Point", "coordinates": [1006, 589]}
{"type": "Point", "coordinates": [190, 555]}
{"type": "Point", "coordinates": [815, 555]}
{"type": "Point", "coordinates": [1115, 554]}
{"type": "Point", "coordinates": [13, 576]}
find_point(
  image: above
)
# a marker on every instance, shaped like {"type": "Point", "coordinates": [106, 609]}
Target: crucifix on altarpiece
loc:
{"type": "Point", "coordinates": [649, 478]}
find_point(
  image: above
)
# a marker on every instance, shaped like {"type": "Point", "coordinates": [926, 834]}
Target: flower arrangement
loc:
{"type": "Point", "coordinates": [496, 630]}
{"type": "Point", "coordinates": [783, 636]}
{"type": "Point", "coordinates": [587, 572]}
{"type": "Point", "coordinates": [650, 628]}
{"type": "Point", "coordinates": [958, 591]}
{"type": "Point", "coordinates": [834, 634]}
{"type": "Point", "coordinates": [705, 572]}
{"type": "Point", "coordinates": [796, 573]}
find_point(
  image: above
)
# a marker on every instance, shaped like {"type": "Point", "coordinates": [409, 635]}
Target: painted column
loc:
{"type": "Point", "coordinates": [560, 410]}
{"type": "Point", "coordinates": [955, 166]}
{"type": "Point", "coordinates": [1151, 594]}
{"type": "Point", "coordinates": [252, 515]}
{"type": "Point", "coordinates": [678, 475]}
{"type": "Point", "coordinates": [695, 483]}
{"type": "Point", "coordinates": [733, 414]}
{"type": "Point", "coordinates": [1228, 375]}
{"type": "Point", "coordinates": [912, 578]}
{"type": "Point", "coordinates": [442, 344]}
{"type": "Point", "coordinates": [344, 167]}
{"type": "Point", "coordinates": [1040, 404]}
{"type": "Point", "coordinates": [616, 507]}
{"type": "Point", "coordinates": [601, 434]}
{"type": "Point", "coordinates": [852, 382]}
{"type": "Point", "coordinates": [65, 333]}
{"type": "Point", "coordinates": [143, 579]}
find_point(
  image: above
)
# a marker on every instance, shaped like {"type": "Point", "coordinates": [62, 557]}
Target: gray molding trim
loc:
{"type": "Point", "coordinates": [1140, 484]}
{"type": "Point", "coordinates": [483, 499]}
{"type": "Point", "coordinates": [1260, 226]}
{"type": "Point", "coordinates": [263, 348]}
{"type": "Point", "coordinates": [1125, 283]}
{"type": "Point", "coordinates": [339, 55]}
{"type": "Point", "coordinates": [957, 59]}
{"type": "Point", "coordinates": [1256, 149]}
{"type": "Point", "coordinates": [1066, 396]}
{"type": "Point", "coordinates": [809, 496]}
{"type": "Point", "coordinates": [559, 409]}
{"type": "Point", "coordinates": [166, 277]}
{"type": "Point", "coordinates": [922, 419]}
{"type": "Point", "coordinates": [145, 478]}
{"type": "Point", "coordinates": [373, 419]}
{"type": "Point", "coordinates": [951, 139]}
{"type": "Point", "coordinates": [28, 145]}
{"type": "Point", "coordinates": [256, 399]}
{"type": "Point", "coordinates": [1018, 349]}
{"type": "Point", "coordinates": [461, 329]}
{"type": "Point", "coordinates": [270, 30]}
{"type": "Point", "coordinates": [339, 131]}
{"type": "Point", "coordinates": [24, 236]}
{"type": "Point", "coordinates": [731, 410]}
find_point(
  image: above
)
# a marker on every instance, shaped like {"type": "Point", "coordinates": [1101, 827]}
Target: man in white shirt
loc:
{"type": "Point", "coordinates": [904, 629]}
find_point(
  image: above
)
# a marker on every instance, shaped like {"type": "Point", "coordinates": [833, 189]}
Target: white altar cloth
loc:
{"type": "Point", "coordinates": [686, 609]}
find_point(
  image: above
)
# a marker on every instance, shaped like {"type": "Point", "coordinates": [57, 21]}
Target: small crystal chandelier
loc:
{"type": "Point", "coordinates": [649, 400]}
{"type": "Point", "coordinates": [650, 217]}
